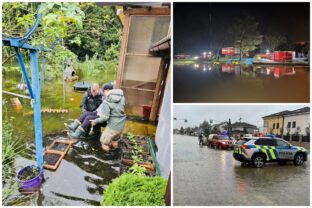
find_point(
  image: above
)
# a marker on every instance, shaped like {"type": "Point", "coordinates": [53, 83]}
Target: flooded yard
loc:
{"type": "Point", "coordinates": [235, 83]}
{"type": "Point", "coordinates": [86, 170]}
{"type": "Point", "coordinates": [214, 178]}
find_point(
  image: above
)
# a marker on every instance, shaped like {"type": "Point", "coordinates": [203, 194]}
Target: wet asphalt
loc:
{"type": "Point", "coordinates": [204, 176]}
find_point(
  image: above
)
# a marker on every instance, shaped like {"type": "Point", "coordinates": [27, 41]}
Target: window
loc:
{"type": "Point", "coordinates": [282, 143]}
{"type": "Point", "coordinates": [271, 142]}
{"type": "Point", "coordinates": [294, 124]}
{"type": "Point", "coordinates": [273, 125]}
{"type": "Point", "coordinates": [266, 142]}
{"type": "Point", "coordinates": [259, 142]}
{"type": "Point", "coordinates": [288, 124]}
{"type": "Point", "coordinates": [277, 126]}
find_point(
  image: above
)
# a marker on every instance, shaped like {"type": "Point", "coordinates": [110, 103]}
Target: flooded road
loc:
{"type": "Point", "coordinates": [85, 171]}
{"type": "Point", "coordinates": [204, 176]}
{"type": "Point", "coordinates": [235, 83]}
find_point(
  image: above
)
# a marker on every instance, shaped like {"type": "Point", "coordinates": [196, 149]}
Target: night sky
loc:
{"type": "Point", "coordinates": [198, 25]}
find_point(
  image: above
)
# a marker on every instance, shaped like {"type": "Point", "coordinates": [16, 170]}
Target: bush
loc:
{"type": "Point", "coordinates": [135, 190]}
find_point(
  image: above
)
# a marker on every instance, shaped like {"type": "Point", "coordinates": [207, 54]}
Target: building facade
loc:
{"type": "Point", "coordinates": [244, 128]}
{"type": "Point", "coordinates": [297, 122]}
{"type": "Point", "coordinates": [273, 124]}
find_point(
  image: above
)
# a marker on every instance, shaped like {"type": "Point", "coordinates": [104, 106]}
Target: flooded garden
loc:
{"type": "Point", "coordinates": [86, 170]}
{"type": "Point", "coordinates": [241, 83]}
{"type": "Point", "coordinates": [54, 57]}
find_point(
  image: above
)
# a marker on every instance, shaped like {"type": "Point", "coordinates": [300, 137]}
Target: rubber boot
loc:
{"type": "Point", "coordinates": [73, 126]}
{"type": "Point", "coordinates": [80, 132]}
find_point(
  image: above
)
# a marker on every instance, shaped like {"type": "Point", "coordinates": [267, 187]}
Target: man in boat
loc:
{"type": "Point", "coordinates": [92, 99]}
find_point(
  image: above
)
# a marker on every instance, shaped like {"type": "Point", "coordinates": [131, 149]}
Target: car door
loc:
{"type": "Point", "coordinates": [284, 150]}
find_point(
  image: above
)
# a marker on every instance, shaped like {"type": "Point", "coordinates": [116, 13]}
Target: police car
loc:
{"type": "Point", "coordinates": [259, 150]}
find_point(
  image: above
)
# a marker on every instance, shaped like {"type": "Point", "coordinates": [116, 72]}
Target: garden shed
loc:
{"type": "Point", "coordinates": [142, 69]}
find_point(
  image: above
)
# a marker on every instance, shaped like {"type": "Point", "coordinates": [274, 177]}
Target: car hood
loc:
{"type": "Point", "coordinates": [298, 148]}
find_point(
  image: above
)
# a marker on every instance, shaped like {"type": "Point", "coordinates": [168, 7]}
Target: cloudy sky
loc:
{"type": "Point", "coordinates": [195, 114]}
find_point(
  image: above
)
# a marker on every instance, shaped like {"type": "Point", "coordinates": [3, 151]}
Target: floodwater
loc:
{"type": "Point", "coordinates": [86, 170]}
{"type": "Point", "coordinates": [235, 83]}
{"type": "Point", "coordinates": [213, 177]}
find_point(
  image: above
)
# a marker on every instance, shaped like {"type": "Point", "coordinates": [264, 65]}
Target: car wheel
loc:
{"type": "Point", "coordinates": [299, 159]}
{"type": "Point", "coordinates": [258, 161]}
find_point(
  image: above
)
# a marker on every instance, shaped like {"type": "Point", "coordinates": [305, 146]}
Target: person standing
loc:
{"type": "Point", "coordinates": [112, 111]}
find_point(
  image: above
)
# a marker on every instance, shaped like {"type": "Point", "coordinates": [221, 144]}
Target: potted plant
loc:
{"type": "Point", "coordinates": [29, 177]}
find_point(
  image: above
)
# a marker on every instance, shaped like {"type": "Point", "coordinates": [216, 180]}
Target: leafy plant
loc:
{"type": "Point", "coordinates": [137, 149]}
{"type": "Point", "coordinates": [11, 147]}
{"type": "Point", "coordinates": [136, 158]}
{"type": "Point", "coordinates": [131, 137]}
{"type": "Point", "coordinates": [137, 169]}
{"type": "Point", "coordinates": [135, 190]}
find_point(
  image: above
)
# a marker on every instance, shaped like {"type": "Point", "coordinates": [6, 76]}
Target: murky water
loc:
{"type": "Point", "coordinates": [235, 83]}
{"type": "Point", "coordinates": [213, 177]}
{"type": "Point", "coordinates": [86, 170]}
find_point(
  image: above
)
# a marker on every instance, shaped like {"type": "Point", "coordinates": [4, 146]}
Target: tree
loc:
{"type": "Point", "coordinates": [244, 35]}
{"type": "Point", "coordinates": [272, 41]}
{"type": "Point", "coordinates": [57, 20]}
{"type": "Point", "coordinates": [181, 130]}
{"type": "Point", "coordinates": [205, 126]}
{"type": "Point", "coordinates": [101, 33]}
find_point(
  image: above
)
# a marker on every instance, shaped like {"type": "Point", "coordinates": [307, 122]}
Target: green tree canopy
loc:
{"type": "Point", "coordinates": [272, 41]}
{"type": "Point", "coordinates": [244, 34]}
{"type": "Point", "coordinates": [101, 33]}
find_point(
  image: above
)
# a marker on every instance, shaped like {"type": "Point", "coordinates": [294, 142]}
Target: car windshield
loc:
{"type": "Point", "coordinates": [222, 137]}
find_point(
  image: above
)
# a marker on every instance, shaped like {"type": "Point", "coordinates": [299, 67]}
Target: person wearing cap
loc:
{"type": "Point", "coordinates": [92, 99]}
{"type": "Point", "coordinates": [81, 127]}
{"type": "Point", "coordinates": [112, 111]}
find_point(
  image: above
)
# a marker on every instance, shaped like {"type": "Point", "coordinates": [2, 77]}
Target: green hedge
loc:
{"type": "Point", "coordinates": [135, 190]}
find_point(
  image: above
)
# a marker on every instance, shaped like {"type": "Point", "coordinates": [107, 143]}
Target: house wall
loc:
{"type": "Point", "coordinates": [302, 121]}
{"type": "Point", "coordinates": [268, 124]}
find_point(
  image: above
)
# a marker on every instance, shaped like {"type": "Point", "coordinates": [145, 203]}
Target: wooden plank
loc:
{"type": "Point", "coordinates": [139, 54]}
{"type": "Point", "coordinates": [61, 153]}
{"type": "Point", "coordinates": [147, 11]}
{"type": "Point", "coordinates": [155, 103]}
{"type": "Point", "coordinates": [139, 89]}
{"type": "Point", "coordinates": [123, 50]}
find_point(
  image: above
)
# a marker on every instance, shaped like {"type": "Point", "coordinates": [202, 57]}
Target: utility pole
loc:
{"type": "Point", "coordinates": [229, 127]}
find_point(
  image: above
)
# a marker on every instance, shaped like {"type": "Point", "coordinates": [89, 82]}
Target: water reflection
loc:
{"type": "Point", "coordinates": [238, 70]}
{"type": "Point", "coordinates": [207, 82]}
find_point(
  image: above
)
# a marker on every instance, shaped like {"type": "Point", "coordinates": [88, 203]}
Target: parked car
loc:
{"type": "Point", "coordinates": [220, 141]}
{"type": "Point", "coordinates": [259, 150]}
